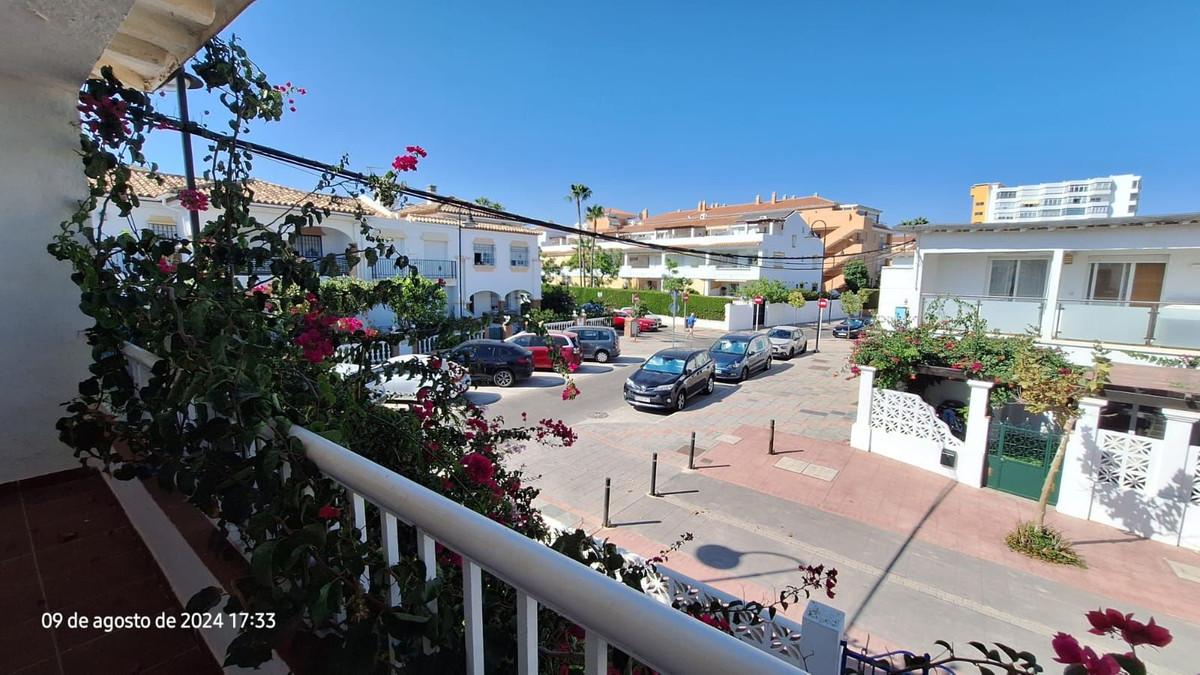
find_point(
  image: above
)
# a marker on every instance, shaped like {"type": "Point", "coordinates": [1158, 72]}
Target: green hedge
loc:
{"type": "Point", "coordinates": [656, 302]}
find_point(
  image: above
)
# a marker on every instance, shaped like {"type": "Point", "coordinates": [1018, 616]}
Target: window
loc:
{"type": "Point", "coordinates": [1028, 214]}
{"type": "Point", "coordinates": [1049, 213]}
{"type": "Point", "coordinates": [309, 246]}
{"type": "Point", "coordinates": [1073, 211]}
{"type": "Point", "coordinates": [1075, 200]}
{"type": "Point", "coordinates": [1006, 194]}
{"type": "Point", "coordinates": [485, 254]}
{"type": "Point", "coordinates": [1018, 278]}
{"type": "Point", "coordinates": [1097, 210]}
{"type": "Point", "coordinates": [1102, 185]}
{"type": "Point", "coordinates": [163, 228]}
{"type": "Point", "coordinates": [1095, 199]}
{"type": "Point", "coordinates": [1136, 184]}
{"type": "Point", "coordinates": [793, 241]}
{"type": "Point", "coordinates": [1004, 217]}
{"type": "Point", "coordinates": [1077, 188]}
{"type": "Point", "coordinates": [1108, 281]}
{"type": "Point", "coordinates": [1026, 205]}
{"type": "Point", "coordinates": [779, 264]}
{"type": "Point", "coordinates": [518, 255]}
{"type": "Point", "coordinates": [979, 213]}
{"type": "Point", "coordinates": [978, 203]}
{"type": "Point", "coordinates": [1052, 201]}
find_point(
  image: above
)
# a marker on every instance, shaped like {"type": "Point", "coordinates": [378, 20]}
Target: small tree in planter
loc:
{"type": "Point", "coordinates": [1046, 386]}
{"type": "Point", "coordinates": [853, 301]}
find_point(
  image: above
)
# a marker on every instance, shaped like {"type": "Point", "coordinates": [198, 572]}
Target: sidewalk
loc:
{"type": "Point", "coordinates": [921, 558]}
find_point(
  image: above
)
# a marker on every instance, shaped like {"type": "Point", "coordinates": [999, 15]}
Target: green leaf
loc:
{"type": "Point", "coordinates": [1132, 665]}
{"type": "Point", "coordinates": [262, 566]}
{"type": "Point", "coordinates": [327, 601]}
{"type": "Point", "coordinates": [980, 646]}
{"type": "Point", "coordinates": [248, 650]}
{"type": "Point", "coordinates": [204, 600]}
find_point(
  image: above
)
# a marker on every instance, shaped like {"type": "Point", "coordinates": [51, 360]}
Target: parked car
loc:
{"type": "Point", "coordinates": [645, 325]}
{"type": "Point", "coordinates": [500, 363]}
{"type": "Point", "coordinates": [599, 343]}
{"type": "Point", "coordinates": [670, 378]}
{"type": "Point", "coordinates": [402, 385]}
{"type": "Point", "coordinates": [658, 320]}
{"type": "Point", "coordinates": [852, 328]}
{"type": "Point", "coordinates": [787, 341]}
{"type": "Point", "coordinates": [740, 355]}
{"type": "Point", "coordinates": [541, 352]}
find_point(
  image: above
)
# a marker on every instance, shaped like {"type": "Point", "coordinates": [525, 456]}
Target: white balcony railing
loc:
{"type": "Point", "coordinates": [1012, 316]}
{"type": "Point", "coordinates": [611, 613]}
{"type": "Point", "coordinates": [1158, 324]}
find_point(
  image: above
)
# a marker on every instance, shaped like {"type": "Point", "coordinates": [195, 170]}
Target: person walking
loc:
{"type": "Point", "coordinates": [690, 324]}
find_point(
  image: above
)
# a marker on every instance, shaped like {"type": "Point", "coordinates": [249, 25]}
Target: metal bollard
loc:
{"type": "Point", "coordinates": [607, 489]}
{"type": "Point", "coordinates": [654, 475]}
{"type": "Point", "coordinates": [771, 443]}
{"type": "Point", "coordinates": [692, 453]}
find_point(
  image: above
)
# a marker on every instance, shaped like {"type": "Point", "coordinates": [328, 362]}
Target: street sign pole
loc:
{"type": "Point", "coordinates": [822, 303]}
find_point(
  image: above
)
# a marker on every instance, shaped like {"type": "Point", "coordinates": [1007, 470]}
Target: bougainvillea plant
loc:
{"type": "Point", "coordinates": [1077, 659]}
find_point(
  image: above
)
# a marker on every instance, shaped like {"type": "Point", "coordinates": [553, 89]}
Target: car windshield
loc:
{"type": "Point", "coordinates": [724, 346]}
{"type": "Point", "coordinates": [781, 334]}
{"type": "Point", "coordinates": [664, 364]}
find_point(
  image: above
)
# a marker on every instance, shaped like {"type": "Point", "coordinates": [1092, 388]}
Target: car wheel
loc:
{"type": "Point", "coordinates": [768, 366]}
{"type": "Point", "coordinates": [791, 352]}
{"type": "Point", "coordinates": [712, 384]}
{"type": "Point", "coordinates": [745, 374]}
{"type": "Point", "coordinates": [680, 400]}
{"type": "Point", "coordinates": [504, 378]}
{"type": "Point", "coordinates": [804, 347]}
{"type": "Point", "coordinates": [601, 356]}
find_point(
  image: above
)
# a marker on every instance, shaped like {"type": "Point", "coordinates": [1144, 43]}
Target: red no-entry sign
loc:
{"type": "Point", "coordinates": [758, 299]}
{"type": "Point", "coordinates": [823, 303]}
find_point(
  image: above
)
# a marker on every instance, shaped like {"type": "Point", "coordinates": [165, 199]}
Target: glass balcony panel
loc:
{"type": "Point", "coordinates": [1114, 323]}
{"type": "Point", "coordinates": [1178, 326]}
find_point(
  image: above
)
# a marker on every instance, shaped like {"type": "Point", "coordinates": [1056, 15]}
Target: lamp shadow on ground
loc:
{"type": "Point", "coordinates": [635, 522]}
{"type": "Point", "coordinates": [721, 557]}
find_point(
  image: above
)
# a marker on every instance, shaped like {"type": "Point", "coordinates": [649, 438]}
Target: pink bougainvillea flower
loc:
{"type": "Point", "coordinates": [166, 266]}
{"type": "Point", "coordinates": [573, 366]}
{"type": "Point", "coordinates": [855, 370]}
{"type": "Point", "coordinates": [193, 200]}
{"type": "Point", "coordinates": [265, 288]}
{"type": "Point", "coordinates": [329, 512]}
{"type": "Point", "coordinates": [416, 150]}
{"type": "Point", "coordinates": [371, 332]}
{"type": "Point", "coordinates": [349, 324]}
{"type": "Point", "coordinates": [1136, 633]}
{"type": "Point", "coordinates": [404, 163]}
{"type": "Point", "coordinates": [441, 282]}
{"type": "Point", "coordinates": [478, 467]}
{"type": "Point", "coordinates": [570, 391]}
{"type": "Point", "coordinates": [1100, 665]}
{"type": "Point", "coordinates": [435, 363]}
{"type": "Point", "coordinates": [1066, 649]}
{"type": "Point", "coordinates": [714, 621]}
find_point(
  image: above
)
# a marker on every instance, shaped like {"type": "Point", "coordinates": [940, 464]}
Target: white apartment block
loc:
{"type": "Point", "coordinates": [1103, 197]}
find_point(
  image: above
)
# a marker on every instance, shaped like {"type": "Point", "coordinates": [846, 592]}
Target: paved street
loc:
{"type": "Point", "coordinates": [920, 558]}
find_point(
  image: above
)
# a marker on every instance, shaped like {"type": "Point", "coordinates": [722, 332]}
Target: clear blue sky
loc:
{"type": "Point", "coordinates": [898, 105]}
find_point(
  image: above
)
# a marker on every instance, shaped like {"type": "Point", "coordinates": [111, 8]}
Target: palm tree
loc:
{"type": "Point", "coordinates": [579, 194]}
{"type": "Point", "coordinates": [489, 204]}
{"type": "Point", "coordinates": [594, 212]}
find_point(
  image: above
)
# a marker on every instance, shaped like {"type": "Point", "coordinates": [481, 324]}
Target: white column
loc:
{"type": "Point", "coordinates": [821, 638]}
{"type": "Point", "coordinates": [1081, 462]}
{"type": "Point", "coordinates": [1169, 475]}
{"type": "Point", "coordinates": [1050, 309]}
{"type": "Point", "coordinates": [860, 432]}
{"type": "Point", "coordinates": [973, 458]}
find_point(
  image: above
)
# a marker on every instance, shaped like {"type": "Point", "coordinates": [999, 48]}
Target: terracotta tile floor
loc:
{"type": "Point", "coordinates": [66, 546]}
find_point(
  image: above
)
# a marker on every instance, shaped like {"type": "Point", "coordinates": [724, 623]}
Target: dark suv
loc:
{"type": "Point", "coordinates": [598, 342]}
{"type": "Point", "coordinates": [500, 363]}
{"type": "Point", "coordinates": [670, 378]}
{"type": "Point", "coordinates": [740, 355]}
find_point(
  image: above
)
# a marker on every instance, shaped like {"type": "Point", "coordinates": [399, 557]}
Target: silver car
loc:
{"type": "Point", "coordinates": [787, 341]}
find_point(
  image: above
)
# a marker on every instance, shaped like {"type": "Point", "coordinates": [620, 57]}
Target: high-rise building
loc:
{"type": "Point", "coordinates": [1104, 197]}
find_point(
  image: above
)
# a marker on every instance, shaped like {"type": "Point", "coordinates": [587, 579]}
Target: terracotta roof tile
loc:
{"type": "Point", "coordinates": [271, 194]}
{"type": "Point", "coordinates": [723, 215]}
{"type": "Point", "coordinates": [452, 214]}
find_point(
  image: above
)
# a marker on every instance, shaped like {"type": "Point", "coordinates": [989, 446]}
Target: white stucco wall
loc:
{"type": "Point", "coordinates": [42, 63]}
{"type": "Point", "coordinates": [898, 288]}
{"type": "Point", "coordinates": [793, 238]}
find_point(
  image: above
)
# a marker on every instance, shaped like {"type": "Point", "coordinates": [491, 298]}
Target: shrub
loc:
{"type": "Point", "coordinates": [655, 302]}
{"type": "Point", "coordinates": [1043, 543]}
{"type": "Point", "coordinates": [558, 300]}
{"type": "Point", "coordinates": [772, 290]}
{"type": "Point", "coordinates": [856, 274]}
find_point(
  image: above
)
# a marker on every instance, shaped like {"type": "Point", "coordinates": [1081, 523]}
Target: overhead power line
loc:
{"type": "Point", "coordinates": [285, 157]}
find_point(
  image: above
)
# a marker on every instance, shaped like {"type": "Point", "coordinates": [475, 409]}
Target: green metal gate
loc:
{"type": "Point", "coordinates": [1019, 459]}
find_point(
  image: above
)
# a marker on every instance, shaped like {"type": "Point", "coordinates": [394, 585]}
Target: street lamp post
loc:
{"type": "Point", "coordinates": [821, 283]}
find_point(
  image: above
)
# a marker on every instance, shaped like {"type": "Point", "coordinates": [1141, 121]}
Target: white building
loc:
{"type": "Point", "coordinates": [1103, 197]}
{"type": "Point", "coordinates": [488, 266]}
{"type": "Point", "coordinates": [1132, 283]}
{"type": "Point", "coordinates": [733, 249]}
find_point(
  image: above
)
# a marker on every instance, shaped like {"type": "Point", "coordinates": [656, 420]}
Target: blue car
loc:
{"type": "Point", "coordinates": [852, 328]}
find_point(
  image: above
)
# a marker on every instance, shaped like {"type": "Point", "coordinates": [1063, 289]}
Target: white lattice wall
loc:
{"type": "Point", "coordinates": [909, 415]}
{"type": "Point", "coordinates": [1124, 459]}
